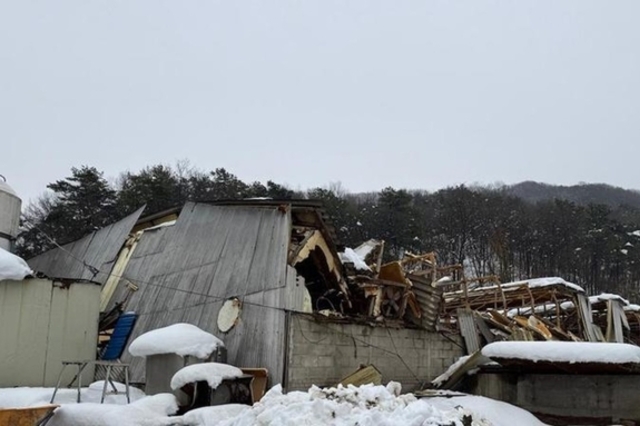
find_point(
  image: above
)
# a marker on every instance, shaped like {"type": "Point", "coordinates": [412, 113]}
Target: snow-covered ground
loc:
{"type": "Point", "coordinates": [366, 405]}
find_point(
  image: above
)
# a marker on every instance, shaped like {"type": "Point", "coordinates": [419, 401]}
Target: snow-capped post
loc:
{"type": "Point", "coordinates": [171, 348]}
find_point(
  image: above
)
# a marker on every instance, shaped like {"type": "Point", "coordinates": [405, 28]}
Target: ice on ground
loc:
{"type": "Point", "coordinates": [211, 372]}
{"type": "Point", "coordinates": [182, 339]}
{"type": "Point", "coordinates": [148, 411]}
{"type": "Point", "coordinates": [213, 416]}
{"type": "Point", "coordinates": [13, 267]}
{"type": "Point", "coordinates": [350, 256]}
{"type": "Point", "coordinates": [571, 352]}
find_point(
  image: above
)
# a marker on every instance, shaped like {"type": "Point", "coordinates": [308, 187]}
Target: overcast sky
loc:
{"type": "Point", "coordinates": [413, 94]}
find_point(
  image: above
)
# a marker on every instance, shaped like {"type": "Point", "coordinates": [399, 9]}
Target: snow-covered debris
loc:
{"type": "Point", "coordinates": [366, 405]}
{"type": "Point", "coordinates": [635, 233]}
{"type": "Point", "coordinates": [498, 413]}
{"type": "Point", "coordinates": [211, 372]}
{"type": "Point", "coordinates": [365, 249]}
{"type": "Point", "coordinates": [13, 267]}
{"type": "Point", "coordinates": [545, 282]}
{"type": "Point", "coordinates": [350, 256]}
{"type": "Point", "coordinates": [603, 297]}
{"type": "Point", "coordinates": [452, 368]}
{"type": "Point", "coordinates": [148, 411]}
{"type": "Point", "coordinates": [570, 352]}
{"type": "Point", "coordinates": [182, 339]}
{"type": "Point", "coordinates": [632, 307]}
{"type": "Point", "coordinates": [213, 416]}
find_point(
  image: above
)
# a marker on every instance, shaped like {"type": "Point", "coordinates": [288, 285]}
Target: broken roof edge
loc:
{"type": "Point", "coordinates": [62, 280]}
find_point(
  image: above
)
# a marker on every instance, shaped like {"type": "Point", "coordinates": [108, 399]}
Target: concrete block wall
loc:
{"type": "Point", "coordinates": [323, 353]}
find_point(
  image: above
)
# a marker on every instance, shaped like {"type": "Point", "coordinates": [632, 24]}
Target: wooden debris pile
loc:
{"type": "Point", "coordinates": [401, 292]}
{"type": "Point", "coordinates": [536, 309]}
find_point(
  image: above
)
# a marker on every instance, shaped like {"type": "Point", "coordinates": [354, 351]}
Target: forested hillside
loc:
{"type": "Point", "coordinates": [589, 234]}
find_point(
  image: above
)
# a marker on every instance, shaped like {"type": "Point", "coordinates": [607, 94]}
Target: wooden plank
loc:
{"type": "Point", "coordinates": [363, 376]}
{"type": "Point", "coordinates": [473, 361]}
{"type": "Point", "coordinates": [27, 416]}
{"type": "Point", "coordinates": [484, 329]}
{"type": "Point", "coordinates": [586, 318]}
{"type": "Point", "coordinates": [468, 330]}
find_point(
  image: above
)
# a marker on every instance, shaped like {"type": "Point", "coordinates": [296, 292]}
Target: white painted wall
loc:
{"type": "Point", "coordinates": [42, 323]}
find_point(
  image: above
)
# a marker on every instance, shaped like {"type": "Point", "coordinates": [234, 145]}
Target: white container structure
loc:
{"type": "Point", "coordinates": [10, 205]}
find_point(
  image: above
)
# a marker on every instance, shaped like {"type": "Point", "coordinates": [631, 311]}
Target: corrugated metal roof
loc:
{"type": "Point", "coordinates": [98, 249]}
{"type": "Point", "coordinates": [185, 272]}
{"type": "Point", "coordinates": [430, 299]}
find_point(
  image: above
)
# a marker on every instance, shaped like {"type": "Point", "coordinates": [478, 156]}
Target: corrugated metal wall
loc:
{"type": "Point", "coordinates": [184, 273]}
{"type": "Point", "coordinates": [98, 249]}
{"type": "Point", "coordinates": [42, 324]}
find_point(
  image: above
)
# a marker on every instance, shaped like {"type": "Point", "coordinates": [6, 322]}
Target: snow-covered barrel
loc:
{"type": "Point", "coordinates": [10, 205]}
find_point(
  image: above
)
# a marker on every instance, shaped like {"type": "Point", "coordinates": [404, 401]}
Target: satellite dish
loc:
{"type": "Point", "coordinates": [229, 314]}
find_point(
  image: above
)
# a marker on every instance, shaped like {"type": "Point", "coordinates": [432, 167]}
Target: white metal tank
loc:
{"type": "Point", "coordinates": [10, 205]}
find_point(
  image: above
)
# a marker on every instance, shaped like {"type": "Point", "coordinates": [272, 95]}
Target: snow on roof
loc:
{"type": "Point", "coordinates": [532, 283]}
{"type": "Point", "coordinates": [350, 256]}
{"type": "Point", "coordinates": [211, 372]}
{"type": "Point", "coordinates": [569, 352]}
{"type": "Point", "coordinates": [603, 297]}
{"type": "Point", "coordinates": [182, 339]}
{"type": "Point", "coordinates": [545, 282]}
{"type": "Point", "coordinates": [632, 307]}
{"type": "Point", "coordinates": [13, 267]}
{"type": "Point", "coordinates": [364, 249]}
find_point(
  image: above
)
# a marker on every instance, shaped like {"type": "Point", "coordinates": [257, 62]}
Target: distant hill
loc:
{"type": "Point", "coordinates": [596, 193]}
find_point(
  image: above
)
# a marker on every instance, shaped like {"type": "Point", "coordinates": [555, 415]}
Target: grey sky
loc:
{"type": "Point", "coordinates": [417, 94]}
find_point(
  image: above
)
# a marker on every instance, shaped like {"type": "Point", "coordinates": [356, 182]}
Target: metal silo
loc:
{"type": "Point", "coordinates": [10, 205]}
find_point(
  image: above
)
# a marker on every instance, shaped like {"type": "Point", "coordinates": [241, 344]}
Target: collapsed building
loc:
{"type": "Point", "coordinates": [302, 310]}
{"type": "Point", "coordinates": [271, 279]}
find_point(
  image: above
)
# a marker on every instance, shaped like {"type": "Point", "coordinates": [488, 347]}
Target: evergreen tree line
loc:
{"type": "Point", "coordinates": [487, 229]}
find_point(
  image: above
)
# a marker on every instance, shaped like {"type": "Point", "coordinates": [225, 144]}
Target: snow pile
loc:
{"type": "Point", "coordinates": [350, 256]}
{"type": "Point", "coordinates": [13, 267]}
{"type": "Point", "coordinates": [148, 411]}
{"type": "Point", "coordinates": [571, 352]}
{"type": "Point", "coordinates": [366, 405]}
{"type": "Point", "coordinates": [213, 416]}
{"type": "Point", "coordinates": [497, 412]}
{"type": "Point", "coordinates": [182, 339]}
{"type": "Point", "coordinates": [211, 372]}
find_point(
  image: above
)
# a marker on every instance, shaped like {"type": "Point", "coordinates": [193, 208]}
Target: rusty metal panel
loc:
{"type": "Point", "coordinates": [429, 298]}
